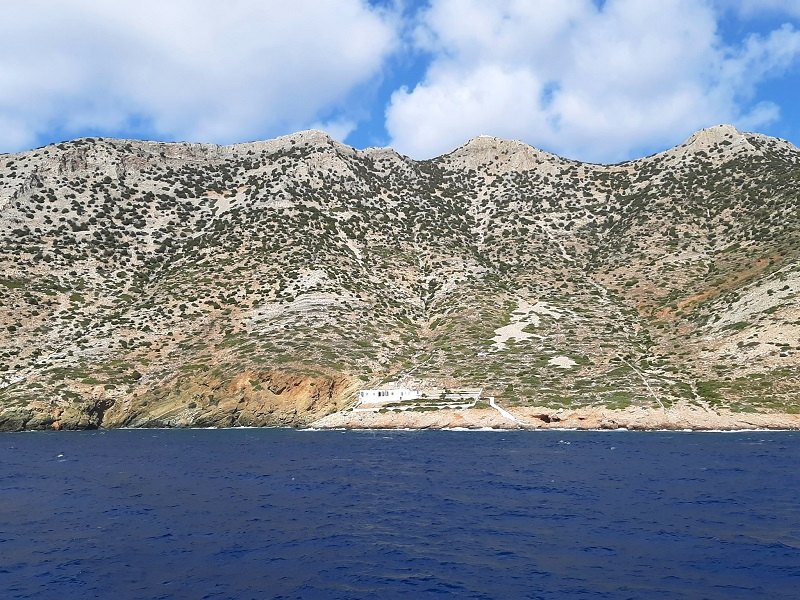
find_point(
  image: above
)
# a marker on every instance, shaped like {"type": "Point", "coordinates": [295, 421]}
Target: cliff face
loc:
{"type": "Point", "coordinates": [247, 399]}
{"type": "Point", "coordinates": [150, 284]}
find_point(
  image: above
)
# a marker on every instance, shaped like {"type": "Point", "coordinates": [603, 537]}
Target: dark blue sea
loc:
{"type": "Point", "coordinates": [271, 513]}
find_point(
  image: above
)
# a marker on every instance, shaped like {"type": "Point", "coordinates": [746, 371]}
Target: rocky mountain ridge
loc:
{"type": "Point", "coordinates": [147, 283]}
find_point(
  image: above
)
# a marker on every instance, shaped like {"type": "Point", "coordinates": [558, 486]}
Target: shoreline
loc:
{"type": "Point", "coordinates": [679, 417]}
{"type": "Point", "coordinates": [540, 430]}
{"type": "Point", "coordinates": [412, 429]}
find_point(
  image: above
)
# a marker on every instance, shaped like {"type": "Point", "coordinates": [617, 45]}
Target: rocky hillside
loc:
{"type": "Point", "coordinates": [147, 283]}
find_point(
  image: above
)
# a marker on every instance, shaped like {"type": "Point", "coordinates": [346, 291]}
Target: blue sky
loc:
{"type": "Point", "coordinates": [599, 81]}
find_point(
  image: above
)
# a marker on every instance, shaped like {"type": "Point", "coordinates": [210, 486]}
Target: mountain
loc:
{"type": "Point", "coordinates": [152, 284]}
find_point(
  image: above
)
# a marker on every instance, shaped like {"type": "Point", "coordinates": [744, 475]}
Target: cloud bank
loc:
{"type": "Point", "coordinates": [184, 69]}
{"type": "Point", "coordinates": [587, 81]}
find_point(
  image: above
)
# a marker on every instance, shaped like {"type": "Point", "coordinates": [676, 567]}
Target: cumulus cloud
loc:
{"type": "Point", "coordinates": [751, 8]}
{"type": "Point", "coordinates": [185, 69]}
{"type": "Point", "coordinates": [596, 82]}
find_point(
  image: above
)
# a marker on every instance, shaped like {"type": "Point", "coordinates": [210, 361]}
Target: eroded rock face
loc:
{"type": "Point", "coordinates": [42, 415]}
{"type": "Point", "coordinates": [251, 399]}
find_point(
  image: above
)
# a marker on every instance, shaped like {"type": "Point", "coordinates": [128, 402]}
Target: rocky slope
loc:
{"type": "Point", "coordinates": [147, 283]}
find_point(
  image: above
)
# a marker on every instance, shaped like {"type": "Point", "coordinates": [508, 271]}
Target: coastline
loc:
{"type": "Point", "coordinates": [680, 417]}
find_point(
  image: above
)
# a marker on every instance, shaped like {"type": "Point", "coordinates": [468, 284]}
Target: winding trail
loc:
{"type": "Point", "coordinates": [644, 380]}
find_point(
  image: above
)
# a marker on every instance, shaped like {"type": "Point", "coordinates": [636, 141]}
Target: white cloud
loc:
{"type": "Point", "coordinates": [440, 115]}
{"type": "Point", "coordinates": [187, 69]}
{"type": "Point", "coordinates": [762, 113]}
{"type": "Point", "coordinates": [597, 83]}
{"type": "Point", "coordinates": [338, 129]}
{"type": "Point", "coordinates": [754, 8]}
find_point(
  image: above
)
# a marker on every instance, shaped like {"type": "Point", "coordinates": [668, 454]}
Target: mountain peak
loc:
{"type": "Point", "coordinates": [312, 135]}
{"type": "Point", "coordinates": [307, 137]}
{"type": "Point", "coordinates": [485, 142]}
{"type": "Point", "coordinates": [726, 135]}
{"type": "Point", "coordinates": [485, 150]}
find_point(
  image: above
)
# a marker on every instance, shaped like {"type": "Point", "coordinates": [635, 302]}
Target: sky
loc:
{"type": "Point", "coordinates": [594, 80]}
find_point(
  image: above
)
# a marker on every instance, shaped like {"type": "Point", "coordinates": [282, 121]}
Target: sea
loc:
{"type": "Point", "coordinates": [281, 513]}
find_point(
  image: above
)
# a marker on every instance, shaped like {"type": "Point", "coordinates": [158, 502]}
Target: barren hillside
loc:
{"type": "Point", "coordinates": [147, 283]}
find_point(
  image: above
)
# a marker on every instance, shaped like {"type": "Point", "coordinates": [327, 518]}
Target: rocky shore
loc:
{"type": "Point", "coordinates": [681, 416]}
{"type": "Point", "coordinates": [245, 412]}
{"type": "Point", "coordinates": [251, 398]}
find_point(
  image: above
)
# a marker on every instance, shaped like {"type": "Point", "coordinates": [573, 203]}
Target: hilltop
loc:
{"type": "Point", "coordinates": [174, 284]}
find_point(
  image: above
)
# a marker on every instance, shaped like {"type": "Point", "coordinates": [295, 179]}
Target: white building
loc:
{"type": "Point", "coordinates": [387, 395]}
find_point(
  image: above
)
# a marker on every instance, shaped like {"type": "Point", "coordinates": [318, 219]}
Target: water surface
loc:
{"type": "Point", "coordinates": [290, 514]}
